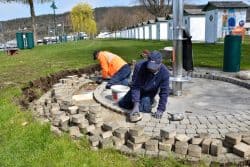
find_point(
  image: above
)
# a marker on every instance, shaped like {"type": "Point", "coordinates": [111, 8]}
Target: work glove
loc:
{"type": "Point", "coordinates": [158, 114]}
{"type": "Point", "coordinates": [135, 109]}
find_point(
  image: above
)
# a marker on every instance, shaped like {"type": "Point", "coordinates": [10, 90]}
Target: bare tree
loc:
{"type": "Point", "coordinates": [158, 8]}
{"type": "Point", "coordinates": [141, 15]}
{"type": "Point", "coordinates": [116, 19]}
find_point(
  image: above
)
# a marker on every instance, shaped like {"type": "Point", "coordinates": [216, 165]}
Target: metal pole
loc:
{"type": "Point", "coordinates": [54, 22]}
{"type": "Point", "coordinates": [177, 43]}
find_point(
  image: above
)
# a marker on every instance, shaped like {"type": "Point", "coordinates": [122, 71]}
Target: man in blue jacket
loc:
{"type": "Point", "coordinates": [149, 77]}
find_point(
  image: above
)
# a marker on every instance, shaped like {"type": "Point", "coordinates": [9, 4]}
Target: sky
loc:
{"type": "Point", "coordinates": [17, 10]}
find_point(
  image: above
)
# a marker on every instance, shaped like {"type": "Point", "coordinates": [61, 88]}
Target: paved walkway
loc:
{"type": "Point", "coordinates": [209, 106]}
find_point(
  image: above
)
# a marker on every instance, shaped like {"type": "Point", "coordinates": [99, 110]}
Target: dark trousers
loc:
{"type": "Point", "coordinates": [145, 103]}
{"type": "Point", "coordinates": [121, 77]}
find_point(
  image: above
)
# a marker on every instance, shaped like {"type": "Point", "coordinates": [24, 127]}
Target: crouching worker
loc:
{"type": "Point", "coordinates": [113, 68]}
{"type": "Point", "coordinates": [149, 77]}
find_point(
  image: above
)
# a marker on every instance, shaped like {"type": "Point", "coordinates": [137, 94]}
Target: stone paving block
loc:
{"type": "Point", "coordinates": [106, 134]}
{"type": "Point", "coordinates": [118, 142]}
{"type": "Point", "coordinates": [83, 124]}
{"type": "Point", "coordinates": [233, 138]}
{"type": "Point", "coordinates": [94, 140]}
{"type": "Point", "coordinates": [194, 151]}
{"type": "Point", "coordinates": [206, 146]}
{"type": "Point", "coordinates": [168, 141]}
{"type": "Point", "coordinates": [78, 118]}
{"type": "Point", "coordinates": [223, 131]}
{"type": "Point", "coordinates": [73, 110]}
{"type": "Point", "coordinates": [56, 121]}
{"type": "Point", "coordinates": [106, 143]}
{"type": "Point", "coordinates": [182, 137]}
{"type": "Point", "coordinates": [165, 146]}
{"type": "Point", "coordinates": [160, 125]}
{"type": "Point", "coordinates": [246, 140]}
{"type": "Point", "coordinates": [136, 131]}
{"type": "Point", "coordinates": [167, 133]}
{"type": "Point", "coordinates": [216, 147]}
{"type": "Point", "coordinates": [151, 145]}
{"type": "Point", "coordinates": [64, 120]}
{"type": "Point", "coordinates": [235, 130]}
{"type": "Point", "coordinates": [203, 135]}
{"type": "Point", "coordinates": [120, 133]}
{"type": "Point", "coordinates": [212, 131]}
{"type": "Point", "coordinates": [110, 126]}
{"type": "Point", "coordinates": [133, 146]}
{"type": "Point", "coordinates": [139, 139]}
{"type": "Point", "coordinates": [94, 108]}
{"type": "Point", "coordinates": [83, 108]}
{"type": "Point", "coordinates": [242, 149]}
{"type": "Point", "coordinates": [180, 131]}
{"type": "Point", "coordinates": [199, 131]}
{"type": "Point", "coordinates": [190, 131]}
{"type": "Point", "coordinates": [181, 147]}
{"type": "Point", "coordinates": [87, 129]}
{"type": "Point", "coordinates": [95, 132]}
{"type": "Point", "coordinates": [148, 129]}
{"type": "Point", "coordinates": [74, 132]}
{"type": "Point", "coordinates": [196, 141]}
{"type": "Point", "coordinates": [245, 134]}
{"type": "Point", "coordinates": [95, 120]}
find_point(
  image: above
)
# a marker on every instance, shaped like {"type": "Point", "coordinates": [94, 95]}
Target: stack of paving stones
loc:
{"type": "Point", "coordinates": [80, 119]}
{"type": "Point", "coordinates": [136, 139]}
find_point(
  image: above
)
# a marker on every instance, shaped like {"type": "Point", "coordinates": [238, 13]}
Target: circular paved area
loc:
{"type": "Point", "coordinates": [209, 106]}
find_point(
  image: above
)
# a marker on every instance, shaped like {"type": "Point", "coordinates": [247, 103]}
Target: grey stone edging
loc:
{"type": "Point", "coordinates": [231, 80]}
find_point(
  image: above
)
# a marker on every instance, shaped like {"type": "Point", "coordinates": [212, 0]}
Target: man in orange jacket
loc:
{"type": "Point", "coordinates": [113, 67]}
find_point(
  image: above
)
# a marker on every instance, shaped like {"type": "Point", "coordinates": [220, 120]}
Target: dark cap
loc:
{"type": "Point", "coordinates": [95, 54]}
{"type": "Point", "coordinates": [154, 60]}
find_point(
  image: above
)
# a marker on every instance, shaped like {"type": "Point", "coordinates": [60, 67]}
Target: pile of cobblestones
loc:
{"type": "Point", "coordinates": [80, 117]}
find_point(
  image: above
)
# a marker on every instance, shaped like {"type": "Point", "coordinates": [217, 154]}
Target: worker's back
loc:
{"type": "Point", "coordinates": [110, 63]}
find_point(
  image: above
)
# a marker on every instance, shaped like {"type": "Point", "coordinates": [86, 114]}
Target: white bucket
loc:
{"type": "Point", "coordinates": [118, 91]}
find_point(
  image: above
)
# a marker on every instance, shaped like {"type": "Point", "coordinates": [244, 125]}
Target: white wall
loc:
{"type": "Point", "coordinates": [146, 31]}
{"type": "Point", "coordinates": [153, 28]}
{"type": "Point", "coordinates": [137, 33]}
{"type": "Point", "coordinates": [197, 28]}
{"type": "Point", "coordinates": [163, 30]}
{"type": "Point", "coordinates": [211, 26]}
{"type": "Point", "coordinates": [140, 32]}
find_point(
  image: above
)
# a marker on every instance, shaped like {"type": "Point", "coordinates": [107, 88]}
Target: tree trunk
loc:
{"type": "Point", "coordinates": [33, 18]}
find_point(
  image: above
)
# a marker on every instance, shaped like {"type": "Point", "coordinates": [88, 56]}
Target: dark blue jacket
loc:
{"type": "Point", "coordinates": [145, 83]}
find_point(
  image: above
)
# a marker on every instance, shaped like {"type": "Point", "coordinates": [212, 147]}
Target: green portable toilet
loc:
{"type": "Point", "coordinates": [30, 40]}
{"type": "Point", "coordinates": [19, 39]}
{"type": "Point", "coordinates": [232, 53]}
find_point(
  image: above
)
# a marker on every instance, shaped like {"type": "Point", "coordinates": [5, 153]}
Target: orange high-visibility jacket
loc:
{"type": "Point", "coordinates": [110, 63]}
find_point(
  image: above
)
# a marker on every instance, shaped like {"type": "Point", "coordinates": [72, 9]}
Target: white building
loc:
{"type": "Point", "coordinates": [161, 28]}
{"type": "Point", "coordinates": [146, 30]}
{"type": "Point", "coordinates": [140, 29]}
{"type": "Point", "coordinates": [194, 22]}
{"type": "Point", "coordinates": [222, 17]}
{"type": "Point", "coordinates": [152, 29]}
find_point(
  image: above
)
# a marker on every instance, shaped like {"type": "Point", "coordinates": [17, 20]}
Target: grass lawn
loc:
{"type": "Point", "coordinates": [33, 144]}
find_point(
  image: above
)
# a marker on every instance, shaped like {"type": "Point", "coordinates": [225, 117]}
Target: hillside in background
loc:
{"type": "Point", "coordinates": [107, 18]}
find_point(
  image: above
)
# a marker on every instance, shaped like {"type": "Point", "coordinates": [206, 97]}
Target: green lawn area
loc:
{"type": "Point", "coordinates": [33, 144]}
